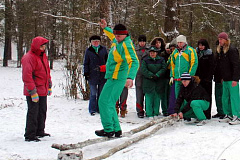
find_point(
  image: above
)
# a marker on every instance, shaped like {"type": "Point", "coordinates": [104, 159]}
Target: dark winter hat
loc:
{"type": "Point", "coordinates": [204, 42]}
{"type": "Point", "coordinates": [120, 29]}
{"type": "Point", "coordinates": [95, 37]}
{"type": "Point", "coordinates": [186, 76]}
{"type": "Point", "coordinates": [142, 38]}
{"type": "Point", "coordinates": [154, 49]}
{"type": "Point", "coordinates": [223, 35]}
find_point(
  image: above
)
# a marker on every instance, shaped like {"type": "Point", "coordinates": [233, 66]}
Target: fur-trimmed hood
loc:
{"type": "Point", "coordinates": [153, 42]}
{"type": "Point", "coordinates": [225, 47]}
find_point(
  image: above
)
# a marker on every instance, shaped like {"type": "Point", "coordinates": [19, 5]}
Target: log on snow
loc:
{"type": "Point", "coordinates": [63, 147]}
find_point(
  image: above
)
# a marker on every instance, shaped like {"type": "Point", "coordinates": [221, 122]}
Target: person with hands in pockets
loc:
{"type": "Point", "coordinates": [37, 85]}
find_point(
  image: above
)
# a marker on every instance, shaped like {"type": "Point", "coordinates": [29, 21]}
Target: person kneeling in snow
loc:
{"type": "Point", "coordinates": [192, 100]}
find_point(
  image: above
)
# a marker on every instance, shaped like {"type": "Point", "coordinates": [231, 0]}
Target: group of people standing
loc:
{"type": "Point", "coordinates": [175, 76]}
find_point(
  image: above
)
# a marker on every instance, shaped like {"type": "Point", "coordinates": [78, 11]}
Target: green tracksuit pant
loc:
{"type": "Point", "coordinates": [107, 101]}
{"type": "Point", "coordinates": [218, 97]}
{"type": "Point", "coordinates": [198, 106]}
{"type": "Point", "coordinates": [230, 99]}
{"type": "Point", "coordinates": [152, 103]}
{"type": "Point", "coordinates": [165, 97]}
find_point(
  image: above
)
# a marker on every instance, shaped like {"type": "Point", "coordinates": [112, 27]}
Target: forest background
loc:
{"type": "Point", "coordinates": [68, 24]}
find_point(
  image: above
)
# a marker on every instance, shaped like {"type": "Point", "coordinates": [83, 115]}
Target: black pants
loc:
{"type": "Point", "coordinates": [36, 117]}
{"type": "Point", "coordinates": [208, 87]}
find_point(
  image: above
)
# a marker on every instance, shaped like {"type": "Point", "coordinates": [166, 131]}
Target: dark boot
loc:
{"type": "Point", "coordinates": [43, 135]}
{"type": "Point", "coordinates": [33, 139]}
{"type": "Point", "coordinates": [140, 114]}
{"type": "Point", "coordinates": [118, 134]}
{"type": "Point", "coordinates": [102, 133]}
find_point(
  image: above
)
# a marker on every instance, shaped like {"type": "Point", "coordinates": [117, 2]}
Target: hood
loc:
{"type": "Point", "coordinates": [36, 43]}
{"type": "Point", "coordinates": [153, 42]}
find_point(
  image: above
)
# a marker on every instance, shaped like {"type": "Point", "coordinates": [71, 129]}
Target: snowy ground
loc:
{"type": "Point", "coordinates": [68, 121]}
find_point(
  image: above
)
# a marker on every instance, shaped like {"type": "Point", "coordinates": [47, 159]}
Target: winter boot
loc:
{"type": "Point", "coordinates": [43, 135]}
{"type": "Point", "coordinates": [118, 134]}
{"type": "Point", "coordinates": [117, 109]}
{"type": "Point", "coordinates": [123, 113]}
{"type": "Point", "coordinates": [33, 139]}
{"type": "Point", "coordinates": [102, 133]}
{"type": "Point", "coordinates": [140, 114]}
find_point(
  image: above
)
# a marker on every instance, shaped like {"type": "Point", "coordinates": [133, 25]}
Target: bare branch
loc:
{"type": "Point", "coordinates": [72, 18]}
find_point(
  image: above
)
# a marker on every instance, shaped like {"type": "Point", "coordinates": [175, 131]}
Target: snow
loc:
{"type": "Point", "coordinates": [68, 121]}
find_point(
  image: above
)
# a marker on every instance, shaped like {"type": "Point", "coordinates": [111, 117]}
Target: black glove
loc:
{"type": "Point", "coordinates": [154, 77]}
{"type": "Point", "coordinates": [86, 75]}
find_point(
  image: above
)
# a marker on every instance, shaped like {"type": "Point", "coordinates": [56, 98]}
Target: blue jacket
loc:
{"type": "Point", "coordinates": [92, 61]}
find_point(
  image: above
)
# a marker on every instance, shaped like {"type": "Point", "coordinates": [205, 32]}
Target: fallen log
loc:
{"type": "Point", "coordinates": [133, 140]}
{"type": "Point", "coordinates": [63, 147]}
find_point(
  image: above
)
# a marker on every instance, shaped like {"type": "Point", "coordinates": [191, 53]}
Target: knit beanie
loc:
{"type": "Point", "coordinates": [142, 38]}
{"type": "Point", "coordinates": [95, 37]}
{"type": "Point", "coordinates": [120, 29]}
{"type": "Point", "coordinates": [223, 35]}
{"type": "Point", "coordinates": [186, 76]}
{"type": "Point", "coordinates": [181, 38]}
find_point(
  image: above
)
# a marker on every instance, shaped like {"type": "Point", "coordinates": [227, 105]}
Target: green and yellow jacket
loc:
{"type": "Point", "coordinates": [185, 60]}
{"type": "Point", "coordinates": [122, 60]}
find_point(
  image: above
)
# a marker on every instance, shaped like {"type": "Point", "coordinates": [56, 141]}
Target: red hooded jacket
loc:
{"type": "Point", "coordinates": [35, 69]}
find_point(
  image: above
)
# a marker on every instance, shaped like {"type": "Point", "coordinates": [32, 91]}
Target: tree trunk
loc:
{"type": "Point", "coordinates": [8, 26]}
{"type": "Point", "coordinates": [170, 23]}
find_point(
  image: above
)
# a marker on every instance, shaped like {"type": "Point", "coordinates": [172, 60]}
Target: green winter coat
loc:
{"type": "Point", "coordinates": [122, 60]}
{"type": "Point", "coordinates": [185, 61]}
{"type": "Point", "coordinates": [149, 68]}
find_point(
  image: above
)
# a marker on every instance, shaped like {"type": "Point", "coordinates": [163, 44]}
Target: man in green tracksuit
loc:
{"type": "Point", "coordinates": [184, 59]}
{"type": "Point", "coordinates": [121, 68]}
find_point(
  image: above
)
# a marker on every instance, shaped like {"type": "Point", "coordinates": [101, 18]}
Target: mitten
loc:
{"type": "Point", "coordinates": [155, 77]}
{"type": "Point", "coordinates": [171, 81]}
{"type": "Point", "coordinates": [49, 91]}
{"type": "Point", "coordinates": [35, 97]}
{"type": "Point", "coordinates": [102, 68]}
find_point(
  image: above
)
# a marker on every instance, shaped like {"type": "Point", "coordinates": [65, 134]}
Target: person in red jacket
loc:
{"type": "Point", "coordinates": [37, 85]}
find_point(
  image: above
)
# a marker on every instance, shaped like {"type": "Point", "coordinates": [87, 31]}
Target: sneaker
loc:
{"type": "Point", "coordinates": [150, 118]}
{"type": "Point", "coordinates": [43, 135]}
{"type": "Point", "coordinates": [33, 139]}
{"type": "Point", "coordinates": [102, 133]}
{"type": "Point", "coordinates": [218, 116]}
{"type": "Point", "coordinates": [235, 121]}
{"type": "Point", "coordinates": [225, 119]}
{"type": "Point", "coordinates": [140, 114]}
{"type": "Point", "coordinates": [118, 134]}
{"type": "Point", "coordinates": [93, 114]}
{"type": "Point", "coordinates": [201, 123]}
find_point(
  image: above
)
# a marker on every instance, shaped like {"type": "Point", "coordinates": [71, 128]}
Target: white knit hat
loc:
{"type": "Point", "coordinates": [181, 38]}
